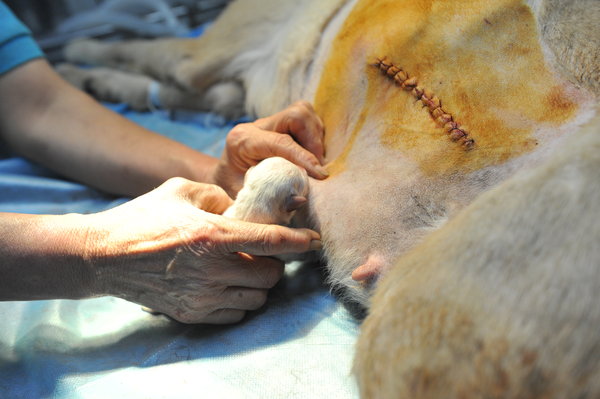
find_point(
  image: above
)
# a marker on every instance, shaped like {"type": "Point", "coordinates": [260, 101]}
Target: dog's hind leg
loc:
{"type": "Point", "coordinates": [188, 63]}
{"type": "Point", "coordinates": [571, 31]}
{"type": "Point", "coordinates": [141, 93]}
{"type": "Point", "coordinates": [158, 59]}
{"type": "Point", "coordinates": [260, 43]}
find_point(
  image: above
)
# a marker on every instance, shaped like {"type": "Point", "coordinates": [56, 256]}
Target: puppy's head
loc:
{"type": "Point", "coordinates": [276, 186]}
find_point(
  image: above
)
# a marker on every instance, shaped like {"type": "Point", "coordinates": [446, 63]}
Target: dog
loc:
{"type": "Point", "coordinates": [462, 145]}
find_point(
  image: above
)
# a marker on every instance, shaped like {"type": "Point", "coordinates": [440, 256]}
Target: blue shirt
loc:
{"type": "Point", "coordinates": [16, 43]}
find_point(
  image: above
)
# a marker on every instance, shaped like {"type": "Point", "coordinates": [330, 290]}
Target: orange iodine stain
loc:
{"type": "Point", "coordinates": [481, 58]}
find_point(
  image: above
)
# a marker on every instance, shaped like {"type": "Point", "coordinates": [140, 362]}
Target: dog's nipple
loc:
{"type": "Point", "coordinates": [370, 269]}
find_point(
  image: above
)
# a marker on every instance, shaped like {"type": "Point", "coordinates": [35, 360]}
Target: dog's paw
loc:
{"type": "Point", "coordinates": [226, 99]}
{"type": "Point", "coordinates": [84, 51]}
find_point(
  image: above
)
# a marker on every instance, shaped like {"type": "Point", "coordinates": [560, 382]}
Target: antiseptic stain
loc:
{"type": "Point", "coordinates": [481, 58]}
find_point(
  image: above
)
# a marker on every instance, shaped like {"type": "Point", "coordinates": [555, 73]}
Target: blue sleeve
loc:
{"type": "Point", "coordinates": [16, 43]}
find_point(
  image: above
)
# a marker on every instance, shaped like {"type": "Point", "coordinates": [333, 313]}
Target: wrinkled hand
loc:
{"type": "Point", "coordinates": [296, 134]}
{"type": "Point", "coordinates": [170, 250]}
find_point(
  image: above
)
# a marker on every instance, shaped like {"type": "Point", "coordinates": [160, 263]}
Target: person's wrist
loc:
{"type": "Point", "coordinates": [228, 179]}
{"type": "Point", "coordinates": [62, 256]}
{"type": "Point", "coordinates": [91, 245]}
{"type": "Point", "coordinates": [199, 167]}
{"type": "Point", "coordinates": [211, 171]}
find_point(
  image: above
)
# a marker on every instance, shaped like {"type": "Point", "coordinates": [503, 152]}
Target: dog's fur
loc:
{"type": "Point", "coordinates": [502, 302]}
{"type": "Point", "coordinates": [490, 257]}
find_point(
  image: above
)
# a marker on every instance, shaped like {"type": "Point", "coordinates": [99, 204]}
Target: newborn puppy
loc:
{"type": "Point", "coordinates": [272, 192]}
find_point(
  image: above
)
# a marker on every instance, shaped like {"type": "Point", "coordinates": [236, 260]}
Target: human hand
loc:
{"type": "Point", "coordinates": [170, 250]}
{"type": "Point", "coordinates": [296, 134]}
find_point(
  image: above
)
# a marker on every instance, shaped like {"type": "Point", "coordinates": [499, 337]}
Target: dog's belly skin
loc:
{"type": "Point", "coordinates": [396, 173]}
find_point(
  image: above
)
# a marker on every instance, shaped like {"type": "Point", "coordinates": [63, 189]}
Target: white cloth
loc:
{"type": "Point", "coordinates": [300, 345]}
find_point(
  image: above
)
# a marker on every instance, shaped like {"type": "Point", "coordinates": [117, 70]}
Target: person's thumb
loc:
{"type": "Point", "coordinates": [208, 197]}
{"type": "Point", "coordinates": [267, 240]}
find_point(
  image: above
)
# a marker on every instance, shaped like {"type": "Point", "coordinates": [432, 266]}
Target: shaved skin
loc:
{"type": "Point", "coordinates": [443, 90]}
{"type": "Point", "coordinates": [481, 59]}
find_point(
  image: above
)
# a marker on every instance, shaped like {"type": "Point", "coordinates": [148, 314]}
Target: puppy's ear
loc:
{"type": "Point", "coordinates": [294, 202]}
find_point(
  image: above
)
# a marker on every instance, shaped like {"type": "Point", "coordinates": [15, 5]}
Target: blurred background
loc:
{"type": "Point", "coordinates": [55, 22]}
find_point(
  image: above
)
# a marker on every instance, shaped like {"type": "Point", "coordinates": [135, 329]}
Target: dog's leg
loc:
{"type": "Point", "coordinates": [188, 63]}
{"type": "Point", "coordinates": [571, 31]}
{"type": "Point", "coordinates": [500, 302]}
{"type": "Point", "coordinates": [142, 93]}
{"type": "Point", "coordinates": [158, 59]}
{"type": "Point", "coordinates": [261, 43]}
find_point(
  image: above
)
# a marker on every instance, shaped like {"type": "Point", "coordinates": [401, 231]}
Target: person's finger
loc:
{"type": "Point", "coordinates": [208, 197]}
{"type": "Point", "coordinates": [268, 240]}
{"type": "Point", "coordinates": [245, 270]}
{"type": "Point", "coordinates": [224, 316]}
{"type": "Point", "coordinates": [300, 121]}
{"type": "Point", "coordinates": [307, 128]}
{"type": "Point", "coordinates": [263, 144]}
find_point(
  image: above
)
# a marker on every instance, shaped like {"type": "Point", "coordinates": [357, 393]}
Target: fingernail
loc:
{"type": "Point", "coordinates": [322, 171]}
{"type": "Point", "coordinates": [315, 245]}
